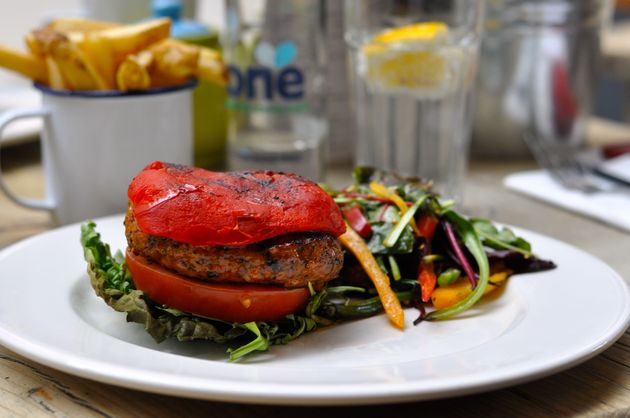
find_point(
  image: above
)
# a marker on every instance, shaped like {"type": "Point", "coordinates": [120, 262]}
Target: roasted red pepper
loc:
{"type": "Point", "coordinates": [427, 225]}
{"type": "Point", "coordinates": [357, 221]}
{"type": "Point", "coordinates": [427, 279]}
{"type": "Point", "coordinates": [426, 274]}
{"type": "Point", "coordinates": [202, 207]}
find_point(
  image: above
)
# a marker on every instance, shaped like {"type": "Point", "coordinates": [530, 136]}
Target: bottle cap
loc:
{"type": "Point", "coordinates": [180, 28]}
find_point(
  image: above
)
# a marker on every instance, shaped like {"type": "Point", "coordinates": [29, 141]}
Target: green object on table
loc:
{"type": "Point", "coordinates": [209, 112]}
{"type": "Point", "coordinates": [210, 124]}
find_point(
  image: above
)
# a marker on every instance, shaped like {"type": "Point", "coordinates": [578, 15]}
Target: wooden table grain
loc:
{"type": "Point", "coordinates": [598, 387]}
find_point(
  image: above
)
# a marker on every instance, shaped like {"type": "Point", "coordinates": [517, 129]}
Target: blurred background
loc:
{"type": "Point", "coordinates": [579, 92]}
{"type": "Point", "coordinates": [611, 100]}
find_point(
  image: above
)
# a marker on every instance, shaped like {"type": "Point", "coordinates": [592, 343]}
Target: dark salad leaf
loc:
{"type": "Point", "coordinates": [501, 239]}
{"type": "Point", "coordinates": [518, 263]}
{"type": "Point", "coordinates": [471, 241]}
{"type": "Point", "coordinates": [363, 175]}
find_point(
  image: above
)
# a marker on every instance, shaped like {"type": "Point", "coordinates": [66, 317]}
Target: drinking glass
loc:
{"type": "Point", "coordinates": [413, 67]}
{"type": "Point", "coordinates": [538, 71]}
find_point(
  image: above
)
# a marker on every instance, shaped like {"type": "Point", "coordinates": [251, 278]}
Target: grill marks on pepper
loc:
{"type": "Point", "coordinates": [248, 181]}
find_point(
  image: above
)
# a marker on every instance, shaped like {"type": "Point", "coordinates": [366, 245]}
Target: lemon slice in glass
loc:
{"type": "Point", "coordinates": [414, 58]}
{"type": "Point", "coordinates": [426, 31]}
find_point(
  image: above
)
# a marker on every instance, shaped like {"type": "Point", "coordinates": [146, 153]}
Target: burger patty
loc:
{"type": "Point", "coordinates": [291, 260]}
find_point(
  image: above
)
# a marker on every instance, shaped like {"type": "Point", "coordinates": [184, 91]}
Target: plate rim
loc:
{"type": "Point", "coordinates": [277, 394]}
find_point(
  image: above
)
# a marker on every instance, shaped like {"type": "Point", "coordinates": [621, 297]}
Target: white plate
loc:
{"type": "Point", "coordinates": [541, 324]}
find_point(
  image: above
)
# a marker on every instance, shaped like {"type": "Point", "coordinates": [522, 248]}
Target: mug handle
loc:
{"type": "Point", "coordinates": [5, 119]}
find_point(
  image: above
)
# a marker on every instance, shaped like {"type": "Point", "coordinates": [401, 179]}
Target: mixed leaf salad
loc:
{"type": "Point", "coordinates": [405, 247]}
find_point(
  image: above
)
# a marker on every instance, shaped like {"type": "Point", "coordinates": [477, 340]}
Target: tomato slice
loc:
{"type": "Point", "coordinates": [228, 302]}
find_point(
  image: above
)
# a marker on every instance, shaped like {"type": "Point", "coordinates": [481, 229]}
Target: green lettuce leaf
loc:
{"type": "Point", "coordinates": [501, 239]}
{"type": "Point", "coordinates": [380, 231]}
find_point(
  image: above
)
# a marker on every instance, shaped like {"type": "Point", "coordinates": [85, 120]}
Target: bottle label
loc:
{"type": "Point", "coordinates": [275, 84]}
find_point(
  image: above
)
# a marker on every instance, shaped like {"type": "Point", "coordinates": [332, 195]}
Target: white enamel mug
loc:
{"type": "Point", "coordinates": [93, 143]}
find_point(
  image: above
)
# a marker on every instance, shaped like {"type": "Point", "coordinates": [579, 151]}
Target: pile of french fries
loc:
{"type": "Point", "coordinates": [80, 54]}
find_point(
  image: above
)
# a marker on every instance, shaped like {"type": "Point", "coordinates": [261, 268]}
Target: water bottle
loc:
{"type": "Point", "coordinates": [276, 56]}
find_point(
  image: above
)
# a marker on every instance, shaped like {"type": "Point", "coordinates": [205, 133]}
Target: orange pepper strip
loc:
{"type": "Point", "coordinates": [445, 297]}
{"type": "Point", "coordinates": [427, 279]}
{"type": "Point", "coordinates": [355, 244]}
{"type": "Point", "coordinates": [381, 190]}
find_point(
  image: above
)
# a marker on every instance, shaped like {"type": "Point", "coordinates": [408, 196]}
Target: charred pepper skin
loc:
{"type": "Point", "coordinates": [201, 208]}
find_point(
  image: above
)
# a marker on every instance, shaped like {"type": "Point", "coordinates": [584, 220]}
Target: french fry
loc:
{"type": "Point", "coordinates": [75, 67]}
{"type": "Point", "coordinates": [55, 79]}
{"type": "Point", "coordinates": [72, 24]}
{"type": "Point", "coordinates": [133, 73]}
{"type": "Point", "coordinates": [83, 54]}
{"type": "Point", "coordinates": [28, 65]}
{"type": "Point", "coordinates": [210, 67]}
{"type": "Point", "coordinates": [34, 46]}
{"type": "Point", "coordinates": [171, 62]}
{"type": "Point", "coordinates": [75, 75]}
{"type": "Point", "coordinates": [108, 48]}
{"type": "Point", "coordinates": [174, 62]}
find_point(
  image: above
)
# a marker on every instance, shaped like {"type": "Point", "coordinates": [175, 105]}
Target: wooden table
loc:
{"type": "Point", "coordinates": [616, 50]}
{"type": "Point", "coordinates": [598, 387]}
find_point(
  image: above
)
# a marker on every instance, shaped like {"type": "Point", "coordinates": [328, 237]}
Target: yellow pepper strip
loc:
{"type": "Point", "coordinates": [381, 190]}
{"type": "Point", "coordinates": [444, 297]}
{"type": "Point", "coordinates": [499, 277]}
{"type": "Point", "coordinates": [355, 244]}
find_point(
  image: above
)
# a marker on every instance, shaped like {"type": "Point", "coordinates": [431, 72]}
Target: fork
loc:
{"type": "Point", "coordinates": [566, 168]}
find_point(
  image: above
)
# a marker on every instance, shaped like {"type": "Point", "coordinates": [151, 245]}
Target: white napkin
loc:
{"type": "Point", "coordinates": [611, 208]}
{"type": "Point", "coordinates": [617, 167]}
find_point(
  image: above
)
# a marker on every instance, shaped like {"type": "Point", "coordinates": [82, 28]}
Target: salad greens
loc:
{"type": "Point", "coordinates": [419, 241]}
{"type": "Point", "coordinates": [392, 238]}
{"type": "Point", "coordinates": [381, 230]}
{"type": "Point", "coordinates": [473, 244]}
{"type": "Point", "coordinates": [504, 238]}
{"type": "Point", "coordinates": [443, 249]}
